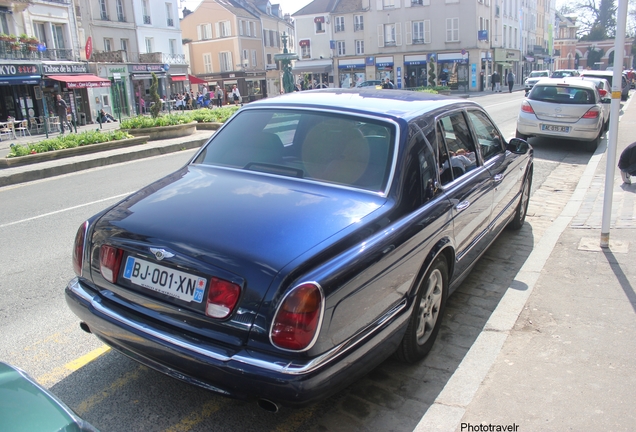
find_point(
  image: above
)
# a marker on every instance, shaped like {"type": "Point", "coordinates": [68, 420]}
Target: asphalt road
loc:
{"type": "Point", "coordinates": [39, 334]}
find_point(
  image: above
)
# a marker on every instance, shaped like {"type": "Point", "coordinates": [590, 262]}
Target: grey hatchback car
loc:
{"type": "Point", "coordinates": [565, 109]}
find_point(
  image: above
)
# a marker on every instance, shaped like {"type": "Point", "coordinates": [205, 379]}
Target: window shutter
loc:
{"type": "Point", "coordinates": [380, 7]}
{"type": "Point", "coordinates": [407, 3]}
{"type": "Point", "coordinates": [398, 3]}
{"type": "Point", "coordinates": [380, 35]}
{"type": "Point", "coordinates": [398, 34]}
{"type": "Point", "coordinates": [427, 31]}
{"type": "Point", "coordinates": [199, 32]}
{"type": "Point", "coordinates": [217, 29]}
{"type": "Point", "coordinates": [409, 33]}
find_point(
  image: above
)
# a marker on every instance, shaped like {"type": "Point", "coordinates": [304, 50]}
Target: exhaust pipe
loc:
{"type": "Point", "coordinates": [268, 405]}
{"type": "Point", "coordinates": [85, 327]}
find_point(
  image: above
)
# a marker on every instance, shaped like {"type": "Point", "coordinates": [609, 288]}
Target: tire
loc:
{"type": "Point", "coordinates": [591, 146]}
{"type": "Point", "coordinates": [426, 317]}
{"type": "Point", "coordinates": [522, 208]}
{"type": "Point", "coordinates": [606, 125]}
{"type": "Point", "coordinates": [520, 135]}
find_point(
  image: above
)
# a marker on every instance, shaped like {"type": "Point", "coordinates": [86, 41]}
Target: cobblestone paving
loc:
{"type": "Point", "coordinates": [623, 205]}
{"type": "Point", "coordinates": [395, 396]}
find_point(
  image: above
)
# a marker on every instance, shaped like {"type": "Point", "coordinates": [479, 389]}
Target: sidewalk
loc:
{"type": "Point", "coordinates": [559, 351]}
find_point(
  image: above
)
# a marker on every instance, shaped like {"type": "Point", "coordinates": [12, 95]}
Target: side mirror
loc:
{"type": "Point", "coordinates": [518, 146]}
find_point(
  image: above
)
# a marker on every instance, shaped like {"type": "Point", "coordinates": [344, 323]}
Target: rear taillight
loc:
{"type": "Point", "coordinates": [603, 93]}
{"type": "Point", "coordinates": [295, 326]}
{"type": "Point", "coordinates": [526, 107]}
{"type": "Point", "coordinates": [592, 113]}
{"type": "Point", "coordinates": [78, 248]}
{"type": "Point", "coordinates": [222, 298]}
{"type": "Point", "coordinates": [109, 262]}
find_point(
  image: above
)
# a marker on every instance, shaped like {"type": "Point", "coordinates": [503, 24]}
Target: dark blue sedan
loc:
{"type": "Point", "coordinates": [314, 235]}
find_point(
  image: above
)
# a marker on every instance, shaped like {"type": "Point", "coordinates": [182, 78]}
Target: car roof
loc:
{"type": "Point", "coordinates": [588, 78]}
{"type": "Point", "coordinates": [394, 103]}
{"type": "Point", "coordinates": [568, 81]}
{"type": "Point", "coordinates": [599, 73]}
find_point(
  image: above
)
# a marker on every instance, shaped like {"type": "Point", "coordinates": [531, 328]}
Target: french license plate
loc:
{"type": "Point", "coordinates": [554, 128]}
{"type": "Point", "coordinates": [164, 280]}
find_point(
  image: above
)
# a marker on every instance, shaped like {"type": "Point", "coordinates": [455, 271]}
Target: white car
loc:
{"type": "Point", "coordinates": [563, 109]}
{"type": "Point", "coordinates": [604, 90]}
{"type": "Point", "coordinates": [533, 78]}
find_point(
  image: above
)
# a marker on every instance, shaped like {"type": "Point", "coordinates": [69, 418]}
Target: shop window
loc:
{"type": "Point", "coordinates": [105, 100]}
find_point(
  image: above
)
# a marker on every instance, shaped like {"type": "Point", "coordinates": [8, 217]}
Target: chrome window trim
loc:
{"type": "Point", "coordinates": [384, 193]}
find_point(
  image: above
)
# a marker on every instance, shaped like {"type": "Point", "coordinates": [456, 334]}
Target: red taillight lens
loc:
{"type": "Point", "coordinates": [526, 107]}
{"type": "Point", "coordinates": [109, 262]}
{"type": "Point", "coordinates": [592, 113]}
{"type": "Point", "coordinates": [222, 297]}
{"type": "Point", "coordinates": [602, 92]}
{"type": "Point", "coordinates": [78, 248]}
{"type": "Point", "coordinates": [296, 322]}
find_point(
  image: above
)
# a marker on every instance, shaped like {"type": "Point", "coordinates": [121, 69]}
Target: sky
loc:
{"type": "Point", "coordinates": [288, 6]}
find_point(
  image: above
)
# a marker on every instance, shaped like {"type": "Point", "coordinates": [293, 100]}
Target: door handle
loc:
{"type": "Point", "coordinates": [462, 205]}
{"type": "Point", "coordinates": [498, 178]}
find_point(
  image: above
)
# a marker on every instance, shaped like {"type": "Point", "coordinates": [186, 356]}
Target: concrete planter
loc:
{"type": "Point", "coordinates": [208, 126]}
{"type": "Point", "coordinates": [76, 151]}
{"type": "Point", "coordinates": [165, 132]}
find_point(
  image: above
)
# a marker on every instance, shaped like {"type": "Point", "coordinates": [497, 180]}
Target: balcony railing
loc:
{"type": "Point", "coordinates": [122, 56]}
{"type": "Point", "coordinates": [170, 22]}
{"type": "Point", "coordinates": [147, 19]}
{"type": "Point", "coordinates": [358, 27]}
{"type": "Point", "coordinates": [23, 51]}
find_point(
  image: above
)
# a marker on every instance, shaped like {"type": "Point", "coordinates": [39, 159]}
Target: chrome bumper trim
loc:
{"type": "Point", "coordinates": [288, 368]}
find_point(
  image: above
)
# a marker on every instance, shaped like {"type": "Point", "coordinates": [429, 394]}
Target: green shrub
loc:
{"type": "Point", "coordinates": [203, 115]}
{"type": "Point", "coordinates": [67, 141]}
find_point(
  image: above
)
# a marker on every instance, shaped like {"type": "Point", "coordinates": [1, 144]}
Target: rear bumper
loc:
{"type": "Point", "coordinates": [532, 127]}
{"type": "Point", "coordinates": [239, 373]}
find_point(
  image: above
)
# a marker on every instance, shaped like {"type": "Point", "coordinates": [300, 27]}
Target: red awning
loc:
{"type": "Point", "coordinates": [178, 77]}
{"type": "Point", "coordinates": [195, 80]}
{"type": "Point", "coordinates": [81, 81]}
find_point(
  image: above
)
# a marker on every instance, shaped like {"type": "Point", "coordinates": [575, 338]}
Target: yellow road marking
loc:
{"type": "Point", "coordinates": [87, 404]}
{"type": "Point", "coordinates": [196, 417]}
{"type": "Point", "coordinates": [63, 371]}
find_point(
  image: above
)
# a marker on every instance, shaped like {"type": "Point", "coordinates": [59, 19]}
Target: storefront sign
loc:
{"type": "Point", "coordinates": [61, 68]}
{"type": "Point", "coordinates": [415, 60]}
{"type": "Point", "coordinates": [89, 47]}
{"type": "Point", "coordinates": [18, 70]}
{"type": "Point", "coordinates": [351, 64]}
{"type": "Point", "coordinates": [147, 68]}
{"type": "Point", "coordinates": [89, 84]}
{"type": "Point", "coordinates": [384, 62]}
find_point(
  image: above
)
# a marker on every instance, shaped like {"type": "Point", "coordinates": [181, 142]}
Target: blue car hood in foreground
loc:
{"type": "Point", "coordinates": [238, 219]}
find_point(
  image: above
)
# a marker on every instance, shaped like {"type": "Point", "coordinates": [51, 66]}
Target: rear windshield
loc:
{"type": "Point", "coordinates": [562, 94]}
{"type": "Point", "coordinates": [334, 148]}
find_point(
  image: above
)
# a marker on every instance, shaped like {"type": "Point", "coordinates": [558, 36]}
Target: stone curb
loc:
{"type": "Point", "coordinates": [165, 132]}
{"type": "Point", "coordinates": [69, 152]}
{"type": "Point", "coordinates": [51, 171]}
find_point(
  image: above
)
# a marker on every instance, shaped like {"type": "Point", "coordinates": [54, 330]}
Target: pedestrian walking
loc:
{"type": "Point", "coordinates": [627, 163]}
{"type": "Point", "coordinates": [511, 80]}
{"type": "Point", "coordinates": [236, 95]}
{"type": "Point", "coordinates": [496, 79]}
{"type": "Point", "coordinates": [219, 96]}
{"type": "Point", "coordinates": [61, 108]}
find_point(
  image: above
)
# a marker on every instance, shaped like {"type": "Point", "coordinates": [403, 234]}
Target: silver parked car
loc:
{"type": "Point", "coordinates": [533, 78]}
{"type": "Point", "coordinates": [565, 109]}
{"type": "Point", "coordinates": [604, 90]}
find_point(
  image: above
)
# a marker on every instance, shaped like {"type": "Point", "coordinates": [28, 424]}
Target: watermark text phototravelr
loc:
{"type": "Point", "coordinates": [469, 427]}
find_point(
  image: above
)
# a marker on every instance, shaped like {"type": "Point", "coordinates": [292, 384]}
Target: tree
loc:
{"type": "Point", "coordinates": [155, 109]}
{"type": "Point", "coordinates": [596, 18]}
{"type": "Point", "coordinates": [431, 72]}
